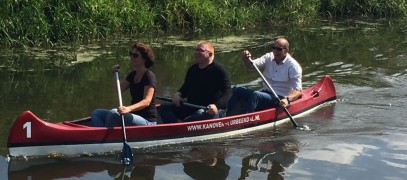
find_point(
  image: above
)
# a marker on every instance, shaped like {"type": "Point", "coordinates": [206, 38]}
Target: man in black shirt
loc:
{"type": "Point", "coordinates": [206, 83]}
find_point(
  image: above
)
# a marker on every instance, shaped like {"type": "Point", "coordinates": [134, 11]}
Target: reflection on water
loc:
{"type": "Point", "coordinates": [3, 168]}
{"type": "Point", "coordinates": [338, 153]}
{"type": "Point", "coordinates": [83, 169]}
{"type": "Point", "coordinates": [215, 169]}
{"type": "Point", "coordinates": [367, 157]}
{"type": "Point", "coordinates": [271, 158]}
{"type": "Point", "coordinates": [198, 163]}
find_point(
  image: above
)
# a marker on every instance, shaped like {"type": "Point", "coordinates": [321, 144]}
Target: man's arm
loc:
{"type": "Point", "coordinates": [294, 95]}
{"type": "Point", "coordinates": [225, 88]}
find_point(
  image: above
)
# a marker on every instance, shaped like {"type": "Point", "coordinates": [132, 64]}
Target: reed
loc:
{"type": "Point", "coordinates": [49, 22]}
{"type": "Point", "coordinates": [363, 8]}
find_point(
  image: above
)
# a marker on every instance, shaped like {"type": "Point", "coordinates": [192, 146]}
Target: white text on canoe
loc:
{"type": "Point", "coordinates": [222, 124]}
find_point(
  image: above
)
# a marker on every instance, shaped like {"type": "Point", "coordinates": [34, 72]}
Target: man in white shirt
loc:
{"type": "Point", "coordinates": [283, 73]}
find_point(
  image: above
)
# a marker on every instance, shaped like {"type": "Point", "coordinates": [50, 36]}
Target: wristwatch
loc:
{"type": "Point", "coordinates": [288, 99]}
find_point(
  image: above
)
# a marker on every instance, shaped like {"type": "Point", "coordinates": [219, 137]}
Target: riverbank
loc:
{"type": "Point", "coordinates": [47, 23]}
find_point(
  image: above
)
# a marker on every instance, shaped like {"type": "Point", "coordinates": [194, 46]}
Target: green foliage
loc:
{"type": "Point", "coordinates": [363, 8]}
{"type": "Point", "coordinates": [46, 22]}
{"type": "Point", "coordinates": [294, 11]}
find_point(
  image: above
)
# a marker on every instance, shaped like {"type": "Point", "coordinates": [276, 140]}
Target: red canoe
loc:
{"type": "Point", "coordinates": [31, 136]}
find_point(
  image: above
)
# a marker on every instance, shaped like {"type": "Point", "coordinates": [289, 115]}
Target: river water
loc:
{"type": "Point", "coordinates": [360, 136]}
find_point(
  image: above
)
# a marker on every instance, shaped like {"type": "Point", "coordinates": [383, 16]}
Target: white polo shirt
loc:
{"type": "Point", "coordinates": [283, 77]}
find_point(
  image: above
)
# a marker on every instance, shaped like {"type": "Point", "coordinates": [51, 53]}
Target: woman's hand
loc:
{"type": "Point", "coordinates": [116, 68]}
{"type": "Point", "coordinates": [124, 110]}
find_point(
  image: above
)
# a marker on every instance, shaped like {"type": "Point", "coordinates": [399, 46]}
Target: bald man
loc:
{"type": "Point", "coordinates": [281, 70]}
{"type": "Point", "coordinates": [206, 83]}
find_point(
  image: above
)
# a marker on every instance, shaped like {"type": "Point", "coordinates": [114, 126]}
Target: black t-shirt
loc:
{"type": "Point", "coordinates": [209, 85]}
{"type": "Point", "coordinates": [137, 94]}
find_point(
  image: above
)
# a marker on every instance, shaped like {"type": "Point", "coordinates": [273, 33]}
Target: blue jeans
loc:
{"type": "Point", "coordinates": [111, 118]}
{"type": "Point", "coordinates": [252, 101]}
{"type": "Point", "coordinates": [170, 113]}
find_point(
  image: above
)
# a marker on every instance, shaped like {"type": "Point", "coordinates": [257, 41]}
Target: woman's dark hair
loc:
{"type": "Point", "coordinates": [146, 52]}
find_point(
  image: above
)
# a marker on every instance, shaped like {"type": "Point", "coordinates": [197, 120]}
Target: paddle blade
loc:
{"type": "Point", "coordinates": [127, 154]}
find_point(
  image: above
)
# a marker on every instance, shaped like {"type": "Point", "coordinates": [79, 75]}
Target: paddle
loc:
{"type": "Point", "coordinates": [183, 103]}
{"type": "Point", "coordinates": [127, 154]}
{"type": "Point", "coordinates": [304, 127]}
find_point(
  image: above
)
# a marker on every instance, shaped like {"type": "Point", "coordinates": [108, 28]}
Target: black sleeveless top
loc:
{"type": "Point", "coordinates": [137, 94]}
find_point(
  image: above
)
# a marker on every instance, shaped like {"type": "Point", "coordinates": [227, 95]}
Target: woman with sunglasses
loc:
{"type": "Point", "coordinates": [142, 84]}
{"type": "Point", "coordinates": [281, 70]}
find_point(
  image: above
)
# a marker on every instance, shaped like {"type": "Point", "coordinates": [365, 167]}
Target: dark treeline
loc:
{"type": "Point", "coordinates": [49, 22]}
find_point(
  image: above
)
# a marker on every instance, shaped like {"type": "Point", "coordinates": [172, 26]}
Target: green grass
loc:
{"type": "Point", "coordinates": [46, 23]}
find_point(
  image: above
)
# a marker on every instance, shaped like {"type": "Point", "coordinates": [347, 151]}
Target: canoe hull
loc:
{"type": "Point", "coordinates": [31, 136]}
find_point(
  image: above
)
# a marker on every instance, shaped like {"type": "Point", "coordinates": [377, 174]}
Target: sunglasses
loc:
{"type": "Point", "coordinates": [277, 48]}
{"type": "Point", "coordinates": [200, 50]}
{"type": "Point", "coordinates": [135, 55]}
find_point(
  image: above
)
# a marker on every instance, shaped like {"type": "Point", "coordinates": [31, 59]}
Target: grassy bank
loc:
{"type": "Point", "coordinates": [49, 22]}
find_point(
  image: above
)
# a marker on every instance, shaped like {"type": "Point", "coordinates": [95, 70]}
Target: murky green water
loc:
{"type": "Point", "coordinates": [361, 136]}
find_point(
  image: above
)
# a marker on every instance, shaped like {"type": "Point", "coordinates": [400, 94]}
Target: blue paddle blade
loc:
{"type": "Point", "coordinates": [127, 154]}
